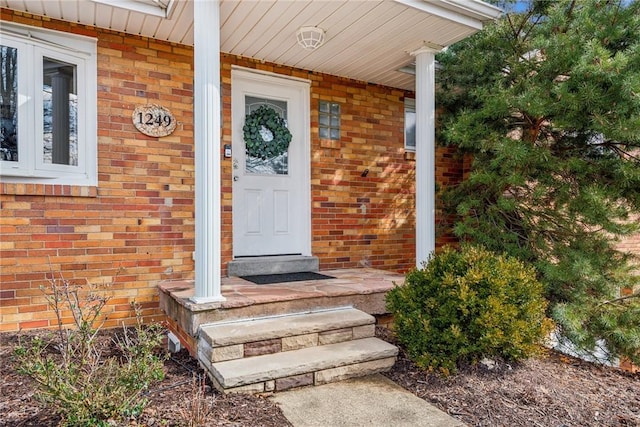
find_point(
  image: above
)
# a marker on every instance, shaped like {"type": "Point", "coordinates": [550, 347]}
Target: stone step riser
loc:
{"type": "Point", "coordinates": [324, 376]}
{"type": "Point", "coordinates": [307, 366]}
{"type": "Point", "coordinates": [277, 353]}
{"type": "Point", "coordinates": [282, 344]}
{"type": "Point", "coordinates": [223, 341]}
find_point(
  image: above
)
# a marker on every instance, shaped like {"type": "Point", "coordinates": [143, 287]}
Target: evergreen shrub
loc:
{"type": "Point", "coordinates": [468, 304]}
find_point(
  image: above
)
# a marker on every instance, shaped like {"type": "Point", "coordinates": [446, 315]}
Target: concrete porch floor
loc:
{"type": "Point", "coordinates": [362, 288]}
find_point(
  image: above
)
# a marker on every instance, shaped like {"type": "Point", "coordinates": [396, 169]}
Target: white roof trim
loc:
{"type": "Point", "coordinates": [367, 40]}
{"type": "Point", "coordinates": [471, 13]}
{"type": "Point", "coordinates": [475, 8]}
{"type": "Point", "coordinates": [161, 8]}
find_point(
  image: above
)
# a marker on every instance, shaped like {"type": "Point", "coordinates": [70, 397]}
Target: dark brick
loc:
{"type": "Point", "coordinates": [262, 347]}
{"type": "Point", "coordinates": [294, 381]}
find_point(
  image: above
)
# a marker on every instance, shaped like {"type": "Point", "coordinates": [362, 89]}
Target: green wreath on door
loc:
{"type": "Point", "coordinates": [265, 133]}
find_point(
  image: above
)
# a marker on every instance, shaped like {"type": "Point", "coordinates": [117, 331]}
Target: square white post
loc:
{"type": "Point", "coordinates": [206, 120]}
{"type": "Point", "coordinates": [425, 154]}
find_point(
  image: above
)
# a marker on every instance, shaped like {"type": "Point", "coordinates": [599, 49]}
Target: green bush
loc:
{"type": "Point", "coordinates": [78, 374]}
{"type": "Point", "coordinates": [466, 305]}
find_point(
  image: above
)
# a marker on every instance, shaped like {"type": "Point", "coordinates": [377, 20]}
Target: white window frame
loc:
{"type": "Point", "coordinates": [33, 44]}
{"type": "Point", "coordinates": [409, 106]}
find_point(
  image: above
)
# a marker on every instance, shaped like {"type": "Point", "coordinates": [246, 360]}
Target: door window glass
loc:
{"type": "Point", "coordinates": [278, 165]}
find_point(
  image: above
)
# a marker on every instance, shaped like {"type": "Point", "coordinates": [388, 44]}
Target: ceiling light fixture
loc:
{"type": "Point", "coordinates": [310, 37]}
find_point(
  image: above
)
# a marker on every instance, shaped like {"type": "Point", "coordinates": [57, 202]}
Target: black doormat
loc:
{"type": "Point", "coordinates": [267, 279]}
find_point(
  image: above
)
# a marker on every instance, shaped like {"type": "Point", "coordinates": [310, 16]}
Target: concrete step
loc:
{"type": "Point", "coordinates": [272, 265]}
{"type": "Point", "coordinates": [306, 366]}
{"type": "Point", "coordinates": [222, 341]}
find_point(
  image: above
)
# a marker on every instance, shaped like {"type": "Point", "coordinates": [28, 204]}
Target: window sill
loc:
{"type": "Point", "coordinates": [22, 189]}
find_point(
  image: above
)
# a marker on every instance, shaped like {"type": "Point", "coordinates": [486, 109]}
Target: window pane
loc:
{"type": "Point", "coordinates": [9, 104]}
{"type": "Point", "coordinates": [329, 120]}
{"type": "Point", "coordinates": [60, 113]}
{"type": "Point", "coordinates": [410, 129]}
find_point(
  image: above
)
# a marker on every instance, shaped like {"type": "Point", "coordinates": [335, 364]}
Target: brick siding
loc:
{"type": "Point", "coordinates": [136, 227]}
{"type": "Point", "coordinates": [631, 244]}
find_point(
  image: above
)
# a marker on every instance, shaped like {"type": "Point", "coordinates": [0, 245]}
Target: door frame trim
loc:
{"type": "Point", "coordinates": [303, 86]}
{"type": "Point", "coordinates": [248, 72]}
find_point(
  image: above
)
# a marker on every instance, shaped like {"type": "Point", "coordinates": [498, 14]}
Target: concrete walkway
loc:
{"type": "Point", "coordinates": [369, 401]}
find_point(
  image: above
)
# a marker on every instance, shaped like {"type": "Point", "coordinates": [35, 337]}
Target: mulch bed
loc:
{"type": "Point", "coordinates": [553, 390]}
{"type": "Point", "coordinates": [171, 402]}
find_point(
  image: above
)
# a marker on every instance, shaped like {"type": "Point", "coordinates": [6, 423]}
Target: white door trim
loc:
{"type": "Point", "coordinates": [249, 71]}
{"type": "Point", "coordinates": [302, 86]}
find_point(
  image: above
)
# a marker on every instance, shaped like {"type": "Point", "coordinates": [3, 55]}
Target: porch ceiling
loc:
{"type": "Point", "coordinates": [367, 40]}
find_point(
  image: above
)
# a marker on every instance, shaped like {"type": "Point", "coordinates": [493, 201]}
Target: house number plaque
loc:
{"type": "Point", "coordinates": [154, 120]}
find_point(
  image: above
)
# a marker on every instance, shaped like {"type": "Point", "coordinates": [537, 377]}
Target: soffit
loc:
{"type": "Point", "coordinates": [366, 40]}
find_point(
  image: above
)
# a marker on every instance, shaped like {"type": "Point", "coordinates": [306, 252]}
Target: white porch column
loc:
{"type": "Point", "coordinates": [206, 120]}
{"type": "Point", "coordinates": [425, 154]}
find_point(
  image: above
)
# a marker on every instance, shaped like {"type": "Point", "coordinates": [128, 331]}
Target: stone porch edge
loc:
{"type": "Point", "coordinates": [364, 289]}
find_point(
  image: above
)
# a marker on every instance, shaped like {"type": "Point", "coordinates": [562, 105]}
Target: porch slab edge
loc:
{"type": "Point", "coordinates": [363, 289]}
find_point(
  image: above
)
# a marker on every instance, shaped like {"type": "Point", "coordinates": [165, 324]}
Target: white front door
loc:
{"type": "Point", "coordinates": [271, 197]}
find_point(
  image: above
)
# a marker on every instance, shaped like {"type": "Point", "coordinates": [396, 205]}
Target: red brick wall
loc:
{"type": "Point", "coordinates": [356, 221]}
{"type": "Point", "coordinates": [631, 244]}
{"type": "Point", "coordinates": [137, 227]}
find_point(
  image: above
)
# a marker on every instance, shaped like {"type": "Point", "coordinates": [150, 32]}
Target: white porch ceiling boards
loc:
{"type": "Point", "coordinates": [367, 40]}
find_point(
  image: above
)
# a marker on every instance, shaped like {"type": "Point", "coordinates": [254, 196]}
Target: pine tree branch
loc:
{"type": "Point", "coordinates": [616, 15]}
{"type": "Point", "coordinates": [622, 298]}
{"type": "Point", "coordinates": [511, 25]}
{"type": "Point", "coordinates": [611, 142]}
{"type": "Point", "coordinates": [519, 33]}
{"type": "Point", "coordinates": [569, 14]}
{"type": "Point", "coordinates": [516, 32]}
{"type": "Point", "coordinates": [616, 146]}
{"type": "Point", "coordinates": [534, 128]}
{"type": "Point", "coordinates": [531, 27]}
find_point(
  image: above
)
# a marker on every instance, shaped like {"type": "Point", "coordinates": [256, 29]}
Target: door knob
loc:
{"type": "Point", "coordinates": [236, 177]}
